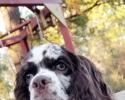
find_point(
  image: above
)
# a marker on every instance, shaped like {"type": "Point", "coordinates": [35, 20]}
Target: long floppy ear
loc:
{"type": "Point", "coordinates": [87, 82]}
{"type": "Point", "coordinates": [21, 91]}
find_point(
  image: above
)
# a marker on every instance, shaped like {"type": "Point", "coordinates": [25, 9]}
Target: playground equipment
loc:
{"type": "Point", "coordinates": [51, 7]}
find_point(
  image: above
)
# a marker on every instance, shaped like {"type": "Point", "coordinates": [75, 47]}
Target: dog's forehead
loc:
{"type": "Point", "coordinates": [47, 50]}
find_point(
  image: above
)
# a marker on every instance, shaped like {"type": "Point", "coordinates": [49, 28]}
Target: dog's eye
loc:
{"type": "Point", "coordinates": [29, 77]}
{"type": "Point", "coordinates": [61, 67]}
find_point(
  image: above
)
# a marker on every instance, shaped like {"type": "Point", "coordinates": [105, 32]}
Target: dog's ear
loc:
{"type": "Point", "coordinates": [21, 89]}
{"type": "Point", "coordinates": [87, 82]}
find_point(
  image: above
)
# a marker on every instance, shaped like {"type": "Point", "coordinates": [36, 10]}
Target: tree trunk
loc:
{"type": "Point", "coordinates": [11, 18]}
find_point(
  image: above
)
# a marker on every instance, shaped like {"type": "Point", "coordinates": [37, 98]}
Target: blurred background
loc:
{"type": "Point", "coordinates": [98, 31]}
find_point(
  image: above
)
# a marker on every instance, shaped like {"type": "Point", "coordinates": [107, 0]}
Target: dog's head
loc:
{"type": "Point", "coordinates": [50, 72]}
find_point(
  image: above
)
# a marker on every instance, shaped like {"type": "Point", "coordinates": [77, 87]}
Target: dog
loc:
{"type": "Point", "coordinates": [51, 72]}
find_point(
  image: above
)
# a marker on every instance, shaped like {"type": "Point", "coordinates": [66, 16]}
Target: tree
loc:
{"type": "Point", "coordinates": [98, 30]}
{"type": "Point", "coordinates": [11, 17]}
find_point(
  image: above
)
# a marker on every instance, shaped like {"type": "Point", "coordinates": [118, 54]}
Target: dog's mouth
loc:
{"type": "Point", "coordinates": [46, 94]}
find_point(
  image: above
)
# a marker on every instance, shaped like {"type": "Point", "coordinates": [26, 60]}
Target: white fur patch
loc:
{"type": "Point", "coordinates": [59, 84]}
{"type": "Point", "coordinates": [64, 80]}
{"type": "Point", "coordinates": [50, 50]}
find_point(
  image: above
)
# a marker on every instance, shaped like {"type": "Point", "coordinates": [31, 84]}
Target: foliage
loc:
{"type": "Point", "coordinates": [100, 36]}
{"type": "Point", "coordinates": [6, 77]}
{"type": "Point", "coordinates": [53, 35]}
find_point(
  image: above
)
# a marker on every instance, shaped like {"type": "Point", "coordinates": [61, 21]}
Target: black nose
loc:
{"type": "Point", "coordinates": [41, 81]}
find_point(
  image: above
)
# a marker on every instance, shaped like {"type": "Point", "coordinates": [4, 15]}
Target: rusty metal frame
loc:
{"type": "Point", "coordinates": [64, 30]}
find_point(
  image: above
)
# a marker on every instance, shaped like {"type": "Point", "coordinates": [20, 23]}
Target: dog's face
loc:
{"type": "Point", "coordinates": [50, 72]}
{"type": "Point", "coordinates": [47, 73]}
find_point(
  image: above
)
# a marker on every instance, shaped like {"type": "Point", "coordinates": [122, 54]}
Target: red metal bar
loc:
{"type": "Point", "coordinates": [26, 2]}
{"type": "Point", "coordinates": [67, 38]}
{"type": "Point", "coordinates": [24, 46]}
{"type": "Point", "coordinates": [64, 30]}
{"type": "Point", "coordinates": [22, 39]}
{"type": "Point", "coordinates": [45, 11]}
{"type": "Point", "coordinates": [15, 29]}
{"type": "Point", "coordinates": [13, 40]}
{"type": "Point", "coordinates": [33, 23]}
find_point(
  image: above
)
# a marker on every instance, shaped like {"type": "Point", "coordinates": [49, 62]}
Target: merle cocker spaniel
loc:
{"type": "Point", "coordinates": [50, 72]}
